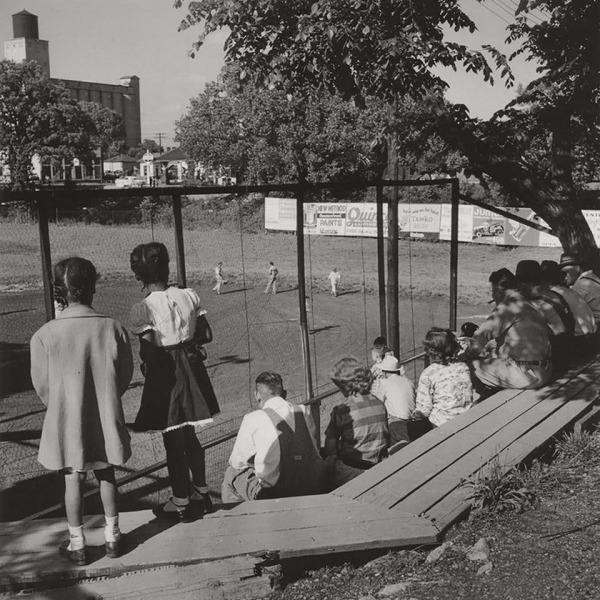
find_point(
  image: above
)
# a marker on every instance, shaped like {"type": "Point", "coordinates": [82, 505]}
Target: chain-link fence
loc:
{"type": "Point", "coordinates": [253, 330]}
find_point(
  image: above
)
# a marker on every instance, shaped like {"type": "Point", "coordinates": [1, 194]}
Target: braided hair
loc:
{"type": "Point", "coordinates": [150, 263]}
{"type": "Point", "coordinates": [74, 281]}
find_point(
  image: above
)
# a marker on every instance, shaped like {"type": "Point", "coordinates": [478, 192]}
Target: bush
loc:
{"type": "Point", "coordinates": [582, 446]}
{"type": "Point", "coordinates": [497, 489]}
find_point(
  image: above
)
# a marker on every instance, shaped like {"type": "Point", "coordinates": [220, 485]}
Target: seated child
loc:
{"type": "Point", "coordinates": [378, 353]}
{"type": "Point", "coordinates": [396, 391]}
{"type": "Point", "coordinates": [445, 389]}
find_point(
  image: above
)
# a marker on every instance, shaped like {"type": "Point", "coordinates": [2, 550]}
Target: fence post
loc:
{"type": "Point", "coordinates": [179, 249]}
{"type": "Point", "coordinates": [308, 387]}
{"type": "Point", "coordinates": [381, 261]}
{"type": "Point", "coordinates": [46, 257]}
{"type": "Point", "coordinates": [454, 255]}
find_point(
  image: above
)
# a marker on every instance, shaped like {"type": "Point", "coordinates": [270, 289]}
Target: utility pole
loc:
{"type": "Point", "coordinates": [159, 136]}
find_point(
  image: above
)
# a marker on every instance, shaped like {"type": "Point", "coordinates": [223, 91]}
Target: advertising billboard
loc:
{"type": "Point", "coordinates": [280, 214]}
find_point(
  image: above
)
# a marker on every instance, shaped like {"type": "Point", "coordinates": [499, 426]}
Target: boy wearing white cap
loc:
{"type": "Point", "coordinates": [397, 392]}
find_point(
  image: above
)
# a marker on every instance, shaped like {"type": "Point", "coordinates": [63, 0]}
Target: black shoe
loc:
{"type": "Point", "coordinates": [204, 505]}
{"type": "Point", "coordinates": [114, 549]}
{"type": "Point", "coordinates": [75, 557]}
{"type": "Point", "coordinates": [183, 515]}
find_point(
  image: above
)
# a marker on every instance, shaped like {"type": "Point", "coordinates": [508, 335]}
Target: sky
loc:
{"type": "Point", "coordinates": [102, 40]}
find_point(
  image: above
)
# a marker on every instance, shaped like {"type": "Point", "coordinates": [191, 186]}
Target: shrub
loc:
{"type": "Point", "coordinates": [582, 446]}
{"type": "Point", "coordinates": [497, 489]}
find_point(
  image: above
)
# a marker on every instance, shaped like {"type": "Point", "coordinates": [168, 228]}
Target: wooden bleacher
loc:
{"type": "Point", "coordinates": [408, 500]}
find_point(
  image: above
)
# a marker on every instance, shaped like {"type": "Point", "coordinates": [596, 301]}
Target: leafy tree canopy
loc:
{"type": "Point", "coordinates": [390, 48]}
{"type": "Point", "coordinates": [147, 145]}
{"type": "Point", "coordinates": [265, 135]}
{"type": "Point", "coordinates": [108, 128]}
{"type": "Point", "coordinates": [37, 117]}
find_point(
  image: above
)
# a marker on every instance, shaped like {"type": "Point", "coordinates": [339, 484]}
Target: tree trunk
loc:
{"type": "Point", "coordinates": [555, 201]}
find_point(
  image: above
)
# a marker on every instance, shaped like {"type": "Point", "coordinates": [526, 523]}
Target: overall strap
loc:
{"type": "Point", "coordinates": [561, 306]}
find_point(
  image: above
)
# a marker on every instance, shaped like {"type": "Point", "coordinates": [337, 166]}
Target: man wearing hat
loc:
{"type": "Point", "coordinates": [551, 305]}
{"type": "Point", "coordinates": [396, 391]}
{"type": "Point", "coordinates": [522, 359]}
{"type": "Point", "coordinates": [584, 324]}
{"type": "Point", "coordinates": [582, 280]}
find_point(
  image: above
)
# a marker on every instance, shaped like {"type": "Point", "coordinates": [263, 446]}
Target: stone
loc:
{"type": "Point", "coordinates": [437, 553]}
{"type": "Point", "coordinates": [479, 551]}
{"type": "Point", "coordinates": [485, 568]}
{"type": "Point", "coordinates": [393, 589]}
{"type": "Point", "coordinates": [367, 597]}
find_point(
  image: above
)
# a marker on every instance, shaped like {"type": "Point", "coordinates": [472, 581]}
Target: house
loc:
{"type": "Point", "coordinates": [122, 162]}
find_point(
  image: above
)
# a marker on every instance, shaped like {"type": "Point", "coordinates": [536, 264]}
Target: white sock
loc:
{"type": "Point", "coordinates": [112, 533]}
{"type": "Point", "coordinates": [77, 539]}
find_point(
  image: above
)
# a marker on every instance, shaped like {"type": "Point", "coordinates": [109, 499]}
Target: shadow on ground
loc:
{"type": "Point", "coordinates": [15, 365]}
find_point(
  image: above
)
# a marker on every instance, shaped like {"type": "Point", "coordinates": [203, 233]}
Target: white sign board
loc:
{"type": "Point", "coordinates": [465, 223]}
{"type": "Point", "coordinates": [280, 214]}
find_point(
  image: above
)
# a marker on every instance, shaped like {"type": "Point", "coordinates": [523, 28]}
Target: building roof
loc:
{"type": "Point", "coordinates": [24, 12]}
{"type": "Point", "coordinates": [121, 158]}
{"type": "Point", "coordinates": [175, 154]}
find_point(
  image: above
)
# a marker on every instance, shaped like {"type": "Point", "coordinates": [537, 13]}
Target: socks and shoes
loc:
{"type": "Point", "coordinates": [185, 510]}
{"type": "Point", "coordinates": [75, 550]}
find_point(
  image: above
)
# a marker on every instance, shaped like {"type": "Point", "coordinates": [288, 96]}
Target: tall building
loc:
{"type": "Point", "coordinates": [123, 98]}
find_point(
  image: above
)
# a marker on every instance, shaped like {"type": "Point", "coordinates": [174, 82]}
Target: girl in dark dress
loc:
{"type": "Point", "coordinates": [178, 394]}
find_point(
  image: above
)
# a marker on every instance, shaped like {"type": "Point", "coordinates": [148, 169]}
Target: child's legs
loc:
{"type": "Point", "coordinates": [194, 453]}
{"type": "Point", "coordinates": [174, 442]}
{"type": "Point", "coordinates": [108, 490]}
{"type": "Point", "coordinates": [74, 497]}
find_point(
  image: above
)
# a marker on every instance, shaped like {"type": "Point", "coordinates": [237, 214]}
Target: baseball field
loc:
{"type": "Point", "coordinates": [253, 331]}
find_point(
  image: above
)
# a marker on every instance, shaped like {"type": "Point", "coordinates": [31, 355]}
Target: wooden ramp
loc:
{"type": "Point", "coordinates": [405, 501]}
{"type": "Point", "coordinates": [267, 530]}
{"type": "Point", "coordinates": [425, 477]}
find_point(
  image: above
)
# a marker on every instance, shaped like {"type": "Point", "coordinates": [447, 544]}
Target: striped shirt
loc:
{"type": "Point", "coordinates": [359, 425]}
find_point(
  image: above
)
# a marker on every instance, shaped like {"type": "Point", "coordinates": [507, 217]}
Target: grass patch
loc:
{"type": "Point", "coordinates": [581, 446]}
{"type": "Point", "coordinates": [498, 489]}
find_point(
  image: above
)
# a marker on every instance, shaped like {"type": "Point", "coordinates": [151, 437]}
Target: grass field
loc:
{"type": "Point", "coordinates": [253, 331]}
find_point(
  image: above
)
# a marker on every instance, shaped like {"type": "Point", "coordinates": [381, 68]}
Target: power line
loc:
{"type": "Point", "coordinates": [511, 11]}
{"type": "Point", "coordinates": [530, 14]}
{"type": "Point", "coordinates": [495, 13]}
{"type": "Point", "coordinates": [504, 8]}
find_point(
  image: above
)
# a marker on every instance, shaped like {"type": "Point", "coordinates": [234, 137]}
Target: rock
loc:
{"type": "Point", "coordinates": [480, 551]}
{"type": "Point", "coordinates": [367, 597]}
{"type": "Point", "coordinates": [485, 568]}
{"type": "Point", "coordinates": [437, 553]}
{"type": "Point", "coordinates": [393, 589]}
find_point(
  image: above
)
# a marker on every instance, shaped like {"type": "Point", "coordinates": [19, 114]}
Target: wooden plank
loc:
{"type": "Point", "coordinates": [277, 504]}
{"type": "Point", "coordinates": [587, 421]}
{"type": "Point", "coordinates": [450, 508]}
{"type": "Point", "coordinates": [415, 450]}
{"type": "Point", "coordinates": [230, 579]}
{"type": "Point", "coordinates": [419, 488]}
{"type": "Point", "coordinates": [439, 435]}
{"type": "Point", "coordinates": [31, 555]}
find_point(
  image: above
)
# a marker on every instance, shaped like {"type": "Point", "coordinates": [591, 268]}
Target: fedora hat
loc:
{"type": "Point", "coordinates": [529, 271]}
{"type": "Point", "coordinates": [567, 260]}
{"type": "Point", "coordinates": [390, 364]}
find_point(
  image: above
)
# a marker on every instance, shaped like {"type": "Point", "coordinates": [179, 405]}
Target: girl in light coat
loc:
{"type": "Point", "coordinates": [81, 364]}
